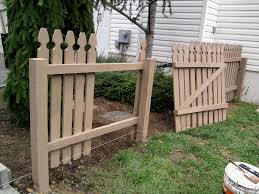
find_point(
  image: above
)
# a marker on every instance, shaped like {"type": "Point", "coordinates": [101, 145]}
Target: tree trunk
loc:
{"type": "Point", "coordinates": [151, 28]}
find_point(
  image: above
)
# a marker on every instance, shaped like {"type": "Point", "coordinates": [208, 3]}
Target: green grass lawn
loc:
{"type": "Point", "coordinates": [189, 162]}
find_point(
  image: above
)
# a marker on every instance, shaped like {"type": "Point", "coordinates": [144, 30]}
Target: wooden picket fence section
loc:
{"type": "Point", "coordinates": [61, 102]}
{"type": "Point", "coordinates": [199, 84]}
{"type": "Point", "coordinates": [206, 76]}
{"type": "Point", "coordinates": [235, 71]}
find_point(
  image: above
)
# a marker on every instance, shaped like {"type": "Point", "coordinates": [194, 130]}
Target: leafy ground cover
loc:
{"type": "Point", "coordinates": [188, 162]}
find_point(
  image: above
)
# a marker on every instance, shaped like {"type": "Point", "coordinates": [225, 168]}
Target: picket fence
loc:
{"type": "Point", "coordinates": [61, 101]}
{"type": "Point", "coordinates": [205, 76]}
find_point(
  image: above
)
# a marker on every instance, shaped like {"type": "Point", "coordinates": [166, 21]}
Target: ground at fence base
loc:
{"type": "Point", "coordinates": [15, 142]}
{"type": "Point", "coordinates": [190, 162]}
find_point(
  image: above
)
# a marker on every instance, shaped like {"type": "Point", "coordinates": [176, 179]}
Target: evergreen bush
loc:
{"type": "Point", "coordinates": [25, 18]}
{"type": "Point", "coordinates": [120, 86]}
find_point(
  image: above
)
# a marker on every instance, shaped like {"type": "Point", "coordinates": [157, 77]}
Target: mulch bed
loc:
{"type": "Point", "coordinates": [15, 143]}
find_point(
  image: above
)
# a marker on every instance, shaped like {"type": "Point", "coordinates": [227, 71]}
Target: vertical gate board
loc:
{"type": "Point", "coordinates": [210, 94]}
{"type": "Point", "coordinates": [79, 95]}
{"type": "Point", "coordinates": [198, 81]}
{"type": "Point", "coordinates": [198, 85]}
{"type": "Point", "coordinates": [176, 86]}
{"type": "Point", "coordinates": [204, 78]}
{"type": "Point", "coordinates": [215, 84]}
{"type": "Point", "coordinates": [224, 111]}
{"type": "Point", "coordinates": [181, 84]}
{"type": "Point", "coordinates": [193, 85]}
{"type": "Point", "coordinates": [68, 85]}
{"type": "Point", "coordinates": [219, 83]}
{"type": "Point", "coordinates": [89, 93]}
{"type": "Point", "coordinates": [187, 82]}
{"type": "Point", "coordinates": [55, 97]}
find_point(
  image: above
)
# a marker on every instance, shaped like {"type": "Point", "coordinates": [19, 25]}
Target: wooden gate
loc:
{"type": "Point", "coordinates": [199, 84]}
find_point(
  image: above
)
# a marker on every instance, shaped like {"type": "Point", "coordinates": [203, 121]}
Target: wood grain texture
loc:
{"type": "Point", "coordinates": [89, 93]}
{"type": "Point", "coordinates": [68, 85]}
{"type": "Point", "coordinates": [55, 97]}
{"type": "Point", "coordinates": [79, 95]}
{"type": "Point", "coordinates": [39, 123]}
{"type": "Point", "coordinates": [145, 100]}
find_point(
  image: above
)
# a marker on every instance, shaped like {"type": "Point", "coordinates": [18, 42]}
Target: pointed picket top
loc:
{"type": "Point", "coordinates": [43, 39]}
{"type": "Point", "coordinates": [142, 53]}
{"type": "Point", "coordinates": [191, 47]}
{"type": "Point", "coordinates": [222, 52]}
{"type": "Point", "coordinates": [209, 51]}
{"type": "Point", "coordinates": [180, 52]}
{"type": "Point", "coordinates": [197, 47]}
{"type": "Point", "coordinates": [218, 52]}
{"type": "Point", "coordinates": [56, 52]}
{"type": "Point", "coordinates": [81, 53]}
{"type": "Point", "coordinates": [204, 52]}
{"type": "Point", "coordinates": [69, 51]}
{"type": "Point", "coordinates": [91, 54]}
{"type": "Point", "coordinates": [186, 52]}
{"type": "Point", "coordinates": [175, 52]}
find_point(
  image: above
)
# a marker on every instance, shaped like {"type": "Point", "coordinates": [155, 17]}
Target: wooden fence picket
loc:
{"type": "Point", "coordinates": [89, 93]}
{"type": "Point", "coordinates": [79, 95]}
{"type": "Point", "coordinates": [193, 85]}
{"type": "Point", "coordinates": [55, 97]}
{"type": "Point", "coordinates": [68, 85]}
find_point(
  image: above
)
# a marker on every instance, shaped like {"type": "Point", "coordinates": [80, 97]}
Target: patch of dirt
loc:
{"type": "Point", "coordinates": [177, 155]}
{"type": "Point", "coordinates": [15, 144]}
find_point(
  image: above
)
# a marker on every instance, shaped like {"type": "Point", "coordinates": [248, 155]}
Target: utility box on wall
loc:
{"type": "Point", "coordinates": [124, 39]}
{"type": "Point", "coordinates": [124, 36]}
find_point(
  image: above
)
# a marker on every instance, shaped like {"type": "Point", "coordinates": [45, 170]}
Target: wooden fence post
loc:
{"type": "Point", "coordinates": [39, 123]}
{"type": "Point", "coordinates": [145, 99]}
{"type": "Point", "coordinates": [240, 78]}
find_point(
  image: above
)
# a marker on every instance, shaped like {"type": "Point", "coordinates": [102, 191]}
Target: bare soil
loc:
{"type": "Point", "coordinates": [15, 143]}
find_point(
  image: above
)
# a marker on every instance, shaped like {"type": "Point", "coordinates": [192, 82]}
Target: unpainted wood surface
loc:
{"type": "Point", "coordinates": [55, 97]}
{"type": "Point", "coordinates": [198, 90]}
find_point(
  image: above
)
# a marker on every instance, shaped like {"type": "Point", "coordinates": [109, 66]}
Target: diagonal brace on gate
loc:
{"type": "Point", "coordinates": [190, 99]}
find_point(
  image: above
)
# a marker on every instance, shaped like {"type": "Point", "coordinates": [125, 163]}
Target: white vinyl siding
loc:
{"type": "Point", "coordinates": [238, 22]}
{"type": "Point", "coordinates": [184, 25]}
{"type": "Point", "coordinates": [119, 22]}
{"type": "Point", "coordinates": [210, 20]}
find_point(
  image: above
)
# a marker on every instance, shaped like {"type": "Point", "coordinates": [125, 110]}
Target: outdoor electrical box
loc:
{"type": "Point", "coordinates": [124, 36]}
{"type": "Point", "coordinates": [124, 39]}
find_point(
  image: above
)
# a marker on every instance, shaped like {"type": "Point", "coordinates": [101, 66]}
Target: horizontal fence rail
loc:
{"type": "Point", "coordinates": [61, 102]}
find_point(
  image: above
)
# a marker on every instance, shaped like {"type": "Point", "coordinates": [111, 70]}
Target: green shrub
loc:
{"type": "Point", "coordinates": [25, 18]}
{"type": "Point", "coordinates": [120, 86]}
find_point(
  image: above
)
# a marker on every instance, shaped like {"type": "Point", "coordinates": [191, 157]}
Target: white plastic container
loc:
{"type": "Point", "coordinates": [236, 182]}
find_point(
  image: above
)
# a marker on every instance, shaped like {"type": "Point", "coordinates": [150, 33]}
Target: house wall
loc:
{"type": "Point", "coordinates": [238, 23]}
{"type": "Point", "coordinates": [119, 22]}
{"type": "Point", "coordinates": [184, 25]}
{"type": "Point", "coordinates": [211, 19]}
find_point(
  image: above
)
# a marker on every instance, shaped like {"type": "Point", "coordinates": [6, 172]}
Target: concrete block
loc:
{"type": "Point", "coordinates": [9, 190]}
{"type": "Point", "coordinates": [5, 177]}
